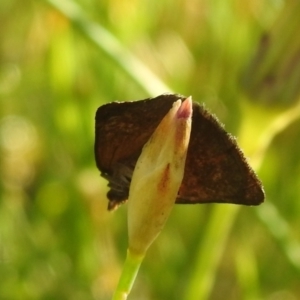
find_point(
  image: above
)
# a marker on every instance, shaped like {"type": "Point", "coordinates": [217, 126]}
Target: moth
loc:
{"type": "Point", "coordinates": [216, 170]}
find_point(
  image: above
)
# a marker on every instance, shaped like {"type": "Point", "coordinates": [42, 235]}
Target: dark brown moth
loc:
{"type": "Point", "coordinates": [216, 170]}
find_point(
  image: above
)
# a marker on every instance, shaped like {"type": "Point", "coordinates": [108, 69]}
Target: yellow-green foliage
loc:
{"type": "Point", "coordinates": [60, 60]}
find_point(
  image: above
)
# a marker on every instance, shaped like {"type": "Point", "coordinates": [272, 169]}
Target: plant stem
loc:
{"type": "Point", "coordinates": [111, 47]}
{"type": "Point", "coordinates": [129, 272]}
{"type": "Point", "coordinates": [210, 252]}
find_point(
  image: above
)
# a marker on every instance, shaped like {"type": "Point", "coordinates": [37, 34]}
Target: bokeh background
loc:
{"type": "Point", "coordinates": [60, 60]}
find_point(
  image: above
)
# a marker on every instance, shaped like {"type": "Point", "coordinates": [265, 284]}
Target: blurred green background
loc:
{"type": "Point", "coordinates": [60, 60]}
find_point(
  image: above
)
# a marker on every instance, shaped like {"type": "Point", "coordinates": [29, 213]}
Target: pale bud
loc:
{"type": "Point", "coordinates": [157, 177]}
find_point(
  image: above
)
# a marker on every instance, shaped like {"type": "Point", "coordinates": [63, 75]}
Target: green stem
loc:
{"type": "Point", "coordinates": [111, 47]}
{"type": "Point", "coordinates": [129, 272]}
{"type": "Point", "coordinates": [210, 252]}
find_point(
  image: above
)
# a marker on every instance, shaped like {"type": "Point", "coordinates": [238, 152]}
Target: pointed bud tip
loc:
{"type": "Point", "coordinates": [186, 109]}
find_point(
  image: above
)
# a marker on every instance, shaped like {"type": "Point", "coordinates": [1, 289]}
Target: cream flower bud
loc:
{"type": "Point", "coordinates": [157, 177]}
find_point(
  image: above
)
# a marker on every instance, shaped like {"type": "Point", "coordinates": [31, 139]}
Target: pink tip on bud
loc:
{"type": "Point", "coordinates": [186, 109]}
